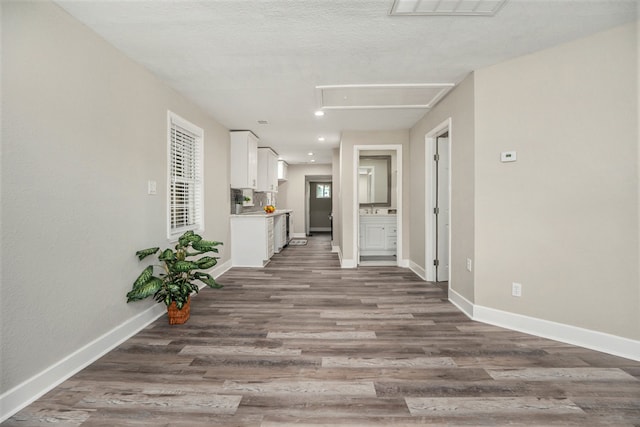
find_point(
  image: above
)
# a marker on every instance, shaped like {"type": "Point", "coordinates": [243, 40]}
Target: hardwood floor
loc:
{"type": "Point", "coordinates": [303, 342]}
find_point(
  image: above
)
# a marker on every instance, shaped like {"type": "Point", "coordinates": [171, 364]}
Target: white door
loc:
{"type": "Point", "coordinates": [443, 206]}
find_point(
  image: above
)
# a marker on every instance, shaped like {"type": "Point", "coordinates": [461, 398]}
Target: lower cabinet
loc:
{"type": "Point", "coordinates": [378, 234]}
{"type": "Point", "coordinates": [252, 240]}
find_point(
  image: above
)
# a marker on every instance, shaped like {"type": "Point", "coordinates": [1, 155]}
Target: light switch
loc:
{"type": "Point", "coordinates": [508, 156]}
{"type": "Point", "coordinates": [151, 187]}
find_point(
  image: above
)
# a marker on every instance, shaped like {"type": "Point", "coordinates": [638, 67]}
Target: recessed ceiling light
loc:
{"type": "Point", "coordinates": [321, 139]}
{"type": "Point", "coordinates": [310, 153]}
{"type": "Point", "coordinates": [313, 160]}
{"type": "Point", "coordinates": [263, 122]}
{"type": "Point", "coordinates": [319, 113]}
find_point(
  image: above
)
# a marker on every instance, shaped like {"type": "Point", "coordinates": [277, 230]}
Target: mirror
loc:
{"type": "Point", "coordinates": [374, 181]}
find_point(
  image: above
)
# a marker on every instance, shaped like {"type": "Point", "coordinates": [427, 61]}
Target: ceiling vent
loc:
{"type": "Point", "coordinates": [446, 7]}
{"type": "Point", "coordinates": [381, 96]}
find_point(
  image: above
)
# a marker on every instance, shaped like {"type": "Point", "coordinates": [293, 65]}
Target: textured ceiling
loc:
{"type": "Point", "coordinates": [249, 60]}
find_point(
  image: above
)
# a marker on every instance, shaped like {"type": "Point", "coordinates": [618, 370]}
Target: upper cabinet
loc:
{"type": "Point", "coordinates": [267, 170]}
{"type": "Point", "coordinates": [244, 160]}
{"type": "Point", "coordinates": [282, 170]}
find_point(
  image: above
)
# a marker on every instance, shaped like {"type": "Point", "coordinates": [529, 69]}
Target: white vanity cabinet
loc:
{"type": "Point", "coordinates": [267, 170]}
{"type": "Point", "coordinates": [244, 160]}
{"type": "Point", "coordinates": [378, 234]}
{"type": "Point", "coordinates": [252, 240]}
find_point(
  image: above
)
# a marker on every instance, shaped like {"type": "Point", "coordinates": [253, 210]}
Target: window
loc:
{"type": "Point", "coordinates": [323, 191]}
{"type": "Point", "coordinates": [185, 186]}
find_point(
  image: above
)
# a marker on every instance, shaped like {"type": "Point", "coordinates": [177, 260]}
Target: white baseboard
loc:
{"type": "Point", "coordinates": [27, 392]}
{"type": "Point", "coordinates": [346, 263]}
{"type": "Point", "coordinates": [462, 303]}
{"type": "Point", "coordinates": [23, 394]}
{"type": "Point", "coordinates": [594, 340]}
{"type": "Point", "coordinates": [298, 236]}
{"type": "Point", "coordinates": [335, 249]}
{"type": "Point", "coordinates": [404, 263]}
{"type": "Point", "coordinates": [418, 270]}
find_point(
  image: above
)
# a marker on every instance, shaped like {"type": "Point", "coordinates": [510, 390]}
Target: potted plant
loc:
{"type": "Point", "coordinates": [178, 275]}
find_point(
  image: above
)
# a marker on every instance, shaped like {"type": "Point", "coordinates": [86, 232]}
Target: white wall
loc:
{"type": "Point", "coordinates": [292, 194]}
{"type": "Point", "coordinates": [83, 129]}
{"type": "Point", "coordinates": [563, 219]}
{"type": "Point", "coordinates": [459, 106]}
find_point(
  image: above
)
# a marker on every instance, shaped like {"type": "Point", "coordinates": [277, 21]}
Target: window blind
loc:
{"type": "Point", "coordinates": [185, 178]}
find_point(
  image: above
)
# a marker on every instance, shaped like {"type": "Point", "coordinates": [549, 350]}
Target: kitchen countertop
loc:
{"type": "Point", "coordinates": [264, 214]}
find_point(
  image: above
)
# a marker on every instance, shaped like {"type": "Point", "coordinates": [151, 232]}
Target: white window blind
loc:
{"type": "Point", "coordinates": [185, 177]}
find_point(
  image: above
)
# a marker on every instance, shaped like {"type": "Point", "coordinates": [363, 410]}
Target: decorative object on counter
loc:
{"type": "Point", "coordinates": [269, 209]}
{"type": "Point", "coordinates": [178, 276]}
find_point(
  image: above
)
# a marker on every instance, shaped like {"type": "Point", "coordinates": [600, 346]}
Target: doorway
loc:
{"type": "Point", "coordinates": [318, 204]}
{"type": "Point", "coordinates": [442, 207]}
{"type": "Point", "coordinates": [438, 144]}
{"type": "Point", "coordinates": [377, 222]}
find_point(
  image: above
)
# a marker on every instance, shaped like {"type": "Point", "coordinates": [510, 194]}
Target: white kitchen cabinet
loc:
{"type": "Point", "coordinates": [252, 240]}
{"type": "Point", "coordinates": [378, 235]}
{"type": "Point", "coordinates": [244, 160]}
{"type": "Point", "coordinates": [267, 170]}
{"type": "Point", "coordinates": [283, 170]}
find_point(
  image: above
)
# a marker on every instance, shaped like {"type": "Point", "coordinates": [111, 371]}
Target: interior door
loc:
{"type": "Point", "coordinates": [442, 209]}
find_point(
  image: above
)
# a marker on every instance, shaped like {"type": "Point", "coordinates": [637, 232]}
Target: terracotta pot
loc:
{"type": "Point", "coordinates": [178, 317]}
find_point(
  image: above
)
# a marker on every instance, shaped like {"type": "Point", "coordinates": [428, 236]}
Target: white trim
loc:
{"type": "Point", "coordinates": [199, 190]}
{"type": "Point", "coordinates": [30, 390]}
{"type": "Point", "coordinates": [356, 204]}
{"type": "Point", "coordinates": [27, 392]}
{"type": "Point", "coordinates": [404, 263]}
{"type": "Point", "coordinates": [345, 263]}
{"type": "Point", "coordinates": [348, 263]}
{"type": "Point", "coordinates": [574, 335]}
{"type": "Point", "coordinates": [418, 270]}
{"type": "Point", "coordinates": [335, 249]}
{"type": "Point", "coordinates": [429, 199]}
{"type": "Point", "coordinates": [594, 340]}
{"type": "Point", "coordinates": [462, 303]}
{"type": "Point", "coordinates": [299, 235]}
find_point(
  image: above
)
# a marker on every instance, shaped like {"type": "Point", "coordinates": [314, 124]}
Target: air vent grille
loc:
{"type": "Point", "coordinates": [446, 7]}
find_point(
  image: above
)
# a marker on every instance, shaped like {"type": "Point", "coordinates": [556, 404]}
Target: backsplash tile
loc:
{"type": "Point", "coordinates": [259, 201]}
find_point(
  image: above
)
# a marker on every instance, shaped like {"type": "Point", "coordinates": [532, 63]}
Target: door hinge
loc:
{"type": "Point", "coordinates": [436, 262]}
{"type": "Point", "coordinates": [436, 211]}
{"type": "Point", "coordinates": [436, 157]}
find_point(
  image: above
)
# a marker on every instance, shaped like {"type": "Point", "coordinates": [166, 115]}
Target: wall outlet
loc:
{"type": "Point", "coordinates": [469, 264]}
{"type": "Point", "coordinates": [516, 289]}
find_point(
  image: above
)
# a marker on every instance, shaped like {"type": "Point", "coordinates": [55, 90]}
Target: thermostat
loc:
{"type": "Point", "coordinates": [508, 156]}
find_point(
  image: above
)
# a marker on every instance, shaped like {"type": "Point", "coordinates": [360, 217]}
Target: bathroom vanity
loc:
{"type": "Point", "coordinates": [378, 234]}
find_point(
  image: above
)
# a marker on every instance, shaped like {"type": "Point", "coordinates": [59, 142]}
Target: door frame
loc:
{"type": "Point", "coordinates": [356, 203]}
{"type": "Point", "coordinates": [430, 198]}
{"type": "Point", "coordinates": [307, 197]}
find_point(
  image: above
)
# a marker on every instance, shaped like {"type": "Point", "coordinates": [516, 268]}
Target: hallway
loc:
{"type": "Point", "coordinates": [303, 342]}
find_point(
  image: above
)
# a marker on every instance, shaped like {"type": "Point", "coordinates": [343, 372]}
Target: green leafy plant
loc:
{"type": "Point", "coordinates": [178, 275]}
